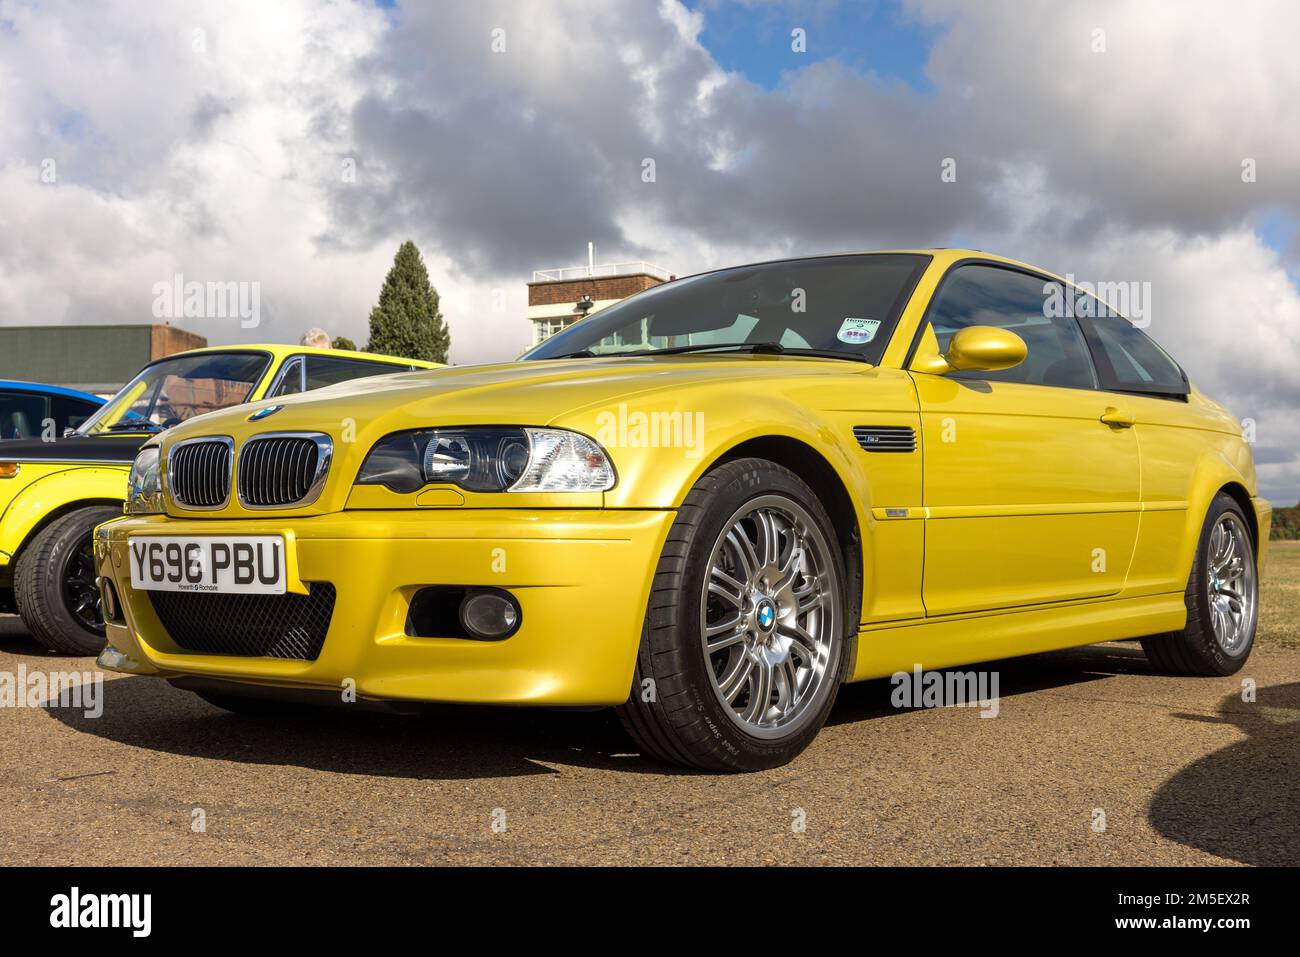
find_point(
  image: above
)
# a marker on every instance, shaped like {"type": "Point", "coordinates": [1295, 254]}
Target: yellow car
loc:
{"type": "Point", "coordinates": [55, 489]}
{"type": "Point", "coordinates": [707, 505]}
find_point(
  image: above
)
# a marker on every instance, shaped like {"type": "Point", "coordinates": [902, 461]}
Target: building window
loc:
{"type": "Point", "coordinates": [545, 328]}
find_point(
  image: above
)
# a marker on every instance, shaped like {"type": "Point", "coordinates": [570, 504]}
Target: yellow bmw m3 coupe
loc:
{"type": "Point", "coordinates": [708, 505]}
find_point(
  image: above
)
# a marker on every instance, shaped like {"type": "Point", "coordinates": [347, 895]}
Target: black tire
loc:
{"type": "Point", "coordinates": [1195, 650]}
{"type": "Point", "coordinates": [685, 723]}
{"type": "Point", "coordinates": [49, 569]}
{"type": "Point", "coordinates": [253, 707]}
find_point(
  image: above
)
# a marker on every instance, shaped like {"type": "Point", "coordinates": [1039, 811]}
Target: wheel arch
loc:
{"type": "Point", "coordinates": [818, 473]}
{"type": "Point", "coordinates": [53, 516]}
{"type": "Point", "coordinates": [1216, 474]}
{"type": "Point", "coordinates": [50, 498]}
{"type": "Point", "coordinates": [1238, 493]}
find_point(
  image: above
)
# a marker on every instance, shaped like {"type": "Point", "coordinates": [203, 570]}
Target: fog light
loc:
{"type": "Point", "coordinates": [490, 614]}
{"type": "Point", "coordinates": [108, 601]}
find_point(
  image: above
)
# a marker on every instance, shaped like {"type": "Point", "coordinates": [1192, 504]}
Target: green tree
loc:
{"type": "Point", "coordinates": [1286, 523]}
{"type": "Point", "coordinates": [407, 321]}
{"type": "Point", "coordinates": [343, 342]}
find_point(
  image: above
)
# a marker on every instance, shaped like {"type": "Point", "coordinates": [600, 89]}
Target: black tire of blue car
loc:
{"type": "Point", "coordinates": [55, 583]}
{"type": "Point", "coordinates": [1196, 650]}
{"type": "Point", "coordinates": [675, 711]}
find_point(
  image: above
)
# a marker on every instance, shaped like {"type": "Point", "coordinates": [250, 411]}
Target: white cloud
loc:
{"type": "Point", "coordinates": [1157, 125]}
{"type": "Point", "coordinates": [205, 154]}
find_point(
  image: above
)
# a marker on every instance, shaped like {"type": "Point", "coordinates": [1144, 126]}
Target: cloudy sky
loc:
{"type": "Point", "coordinates": [294, 144]}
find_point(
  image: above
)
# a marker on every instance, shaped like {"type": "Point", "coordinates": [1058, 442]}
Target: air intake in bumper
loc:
{"type": "Point", "coordinates": [250, 626]}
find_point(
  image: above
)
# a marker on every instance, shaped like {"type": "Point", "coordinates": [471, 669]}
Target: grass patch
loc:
{"type": "Point", "coordinates": [1279, 596]}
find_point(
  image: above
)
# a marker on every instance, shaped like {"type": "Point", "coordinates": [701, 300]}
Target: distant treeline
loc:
{"type": "Point", "coordinates": [1286, 523]}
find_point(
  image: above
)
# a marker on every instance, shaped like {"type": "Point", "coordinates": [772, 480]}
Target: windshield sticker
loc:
{"type": "Point", "coordinates": [857, 331]}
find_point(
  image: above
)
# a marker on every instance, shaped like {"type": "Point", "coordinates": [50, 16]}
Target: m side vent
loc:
{"type": "Point", "coordinates": [885, 438]}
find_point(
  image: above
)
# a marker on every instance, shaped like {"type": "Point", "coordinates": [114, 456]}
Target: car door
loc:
{"type": "Point", "coordinates": [303, 373]}
{"type": "Point", "coordinates": [69, 413]}
{"type": "Point", "coordinates": [1030, 497]}
{"type": "Point", "coordinates": [1172, 434]}
{"type": "Point", "coordinates": [290, 380]}
{"type": "Point", "coordinates": [22, 414]}
{"type": "Point", "coordinates": [331, 370]}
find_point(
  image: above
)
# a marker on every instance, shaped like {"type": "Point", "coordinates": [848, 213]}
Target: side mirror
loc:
{"type": "Point", "coordinates": [977, 349]}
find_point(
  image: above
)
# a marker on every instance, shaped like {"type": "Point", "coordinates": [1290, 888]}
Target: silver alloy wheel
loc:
{"type": "Point", "coordinates": [1230, 583]}
{"type": "Point", "coordinates": [768, 616]}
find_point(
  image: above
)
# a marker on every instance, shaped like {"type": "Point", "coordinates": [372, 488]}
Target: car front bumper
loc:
{"type": "Point", "coordinates": [582, 579]}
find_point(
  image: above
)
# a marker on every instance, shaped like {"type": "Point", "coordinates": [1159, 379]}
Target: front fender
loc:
{"type": "Point", "coordinates": [658, 465]}
{"type": "Point", "coordinates": [661, 446]}
{"type": "Point", "coordinates": [54, 492]}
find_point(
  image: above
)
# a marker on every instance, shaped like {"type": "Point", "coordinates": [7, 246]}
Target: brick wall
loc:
{"type": "Point", "coordinates": [602, 287]}
{"type": "Point", "coordinates": [168, 340]}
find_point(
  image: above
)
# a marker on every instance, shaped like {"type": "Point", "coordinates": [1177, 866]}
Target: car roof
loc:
{"type": "Point", "coordinates": [942, 255]}
{"type": "Point", "coordinates": [18, 385]}
{"type": "Point", "coordinates": [947, 257]}
{"type": "Point", "coordinates": [280, 351]}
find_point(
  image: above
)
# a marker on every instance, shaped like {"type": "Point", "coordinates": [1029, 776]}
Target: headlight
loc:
{"type": "Point", "coordinates": [144, 484]}
{"type": "Point", "coordinates": [489, 460]}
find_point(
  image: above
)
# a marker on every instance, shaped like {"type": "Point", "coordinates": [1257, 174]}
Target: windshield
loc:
{"type": "Point", "coordinates": [837, 305]}
{"type": "Point", "coordinates": [168, 392]}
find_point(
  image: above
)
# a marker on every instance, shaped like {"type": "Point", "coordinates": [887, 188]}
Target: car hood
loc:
{"type": "Point", "coordinates": [74, 448]}
{"type": "Point", "coordinates": [511, 393]}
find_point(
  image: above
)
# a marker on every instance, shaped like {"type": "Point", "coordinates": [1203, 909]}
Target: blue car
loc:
{"type": "Point", "coordinates": [29, 410]}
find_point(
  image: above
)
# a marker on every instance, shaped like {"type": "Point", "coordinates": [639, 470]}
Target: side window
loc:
{"type": "Point", "coordinates": [1032, 307]}
{"type": "Point", "coordinates": [21, 415]}
{"type": "Point", "coordinates": [290, 379]}
{"type": "Point", "coordinates": [326, 370]}
{"type": "Point", "coordinates": [1129, 361]}
{"type": "Point", "coordinates": [69, 413]}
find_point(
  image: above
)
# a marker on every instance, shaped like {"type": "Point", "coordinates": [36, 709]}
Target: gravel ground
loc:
{"type": "Point", "coordinates": [1182, 771]}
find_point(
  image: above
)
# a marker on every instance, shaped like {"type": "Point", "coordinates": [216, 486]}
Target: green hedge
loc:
{"type": "Point", "coordinates": [1286, 523]}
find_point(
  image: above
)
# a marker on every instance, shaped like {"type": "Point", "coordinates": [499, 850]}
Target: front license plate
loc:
{"type": "Point", "coordinates": [232, 564]}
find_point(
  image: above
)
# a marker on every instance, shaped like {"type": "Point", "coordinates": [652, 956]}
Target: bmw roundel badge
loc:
{"type": "Point", "coordinates": [263, 413]}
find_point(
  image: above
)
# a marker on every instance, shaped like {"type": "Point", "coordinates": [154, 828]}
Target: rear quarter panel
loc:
{"type": "Point", "coordinates": [1189, 452]}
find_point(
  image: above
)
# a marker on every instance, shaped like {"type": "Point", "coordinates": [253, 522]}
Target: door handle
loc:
{"type": "Point", "coordinates": [1118, 418]}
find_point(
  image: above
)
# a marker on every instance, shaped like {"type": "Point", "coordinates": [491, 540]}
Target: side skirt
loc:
{"type": "Point", "coordinates": [962, 640]}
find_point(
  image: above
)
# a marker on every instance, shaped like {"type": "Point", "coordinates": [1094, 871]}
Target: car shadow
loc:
{"type": "Point", "coordinates": [462, 742]}
{"type": "Point", "coordinates": [1243, 801]}
{"type": "Point", "coordinates": [443, 742]}
{"type": "Point", "coordinates": [1053, 669]}
{"type": "Point", "coordinates": [15, 639]}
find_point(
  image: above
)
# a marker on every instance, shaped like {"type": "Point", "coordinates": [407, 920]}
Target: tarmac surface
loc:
{"type": "Point", "coordinates": [1091, 759]}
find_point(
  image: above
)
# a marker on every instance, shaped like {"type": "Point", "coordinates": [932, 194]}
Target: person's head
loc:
{"type": "Point", "coordinates": [318, 338]}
